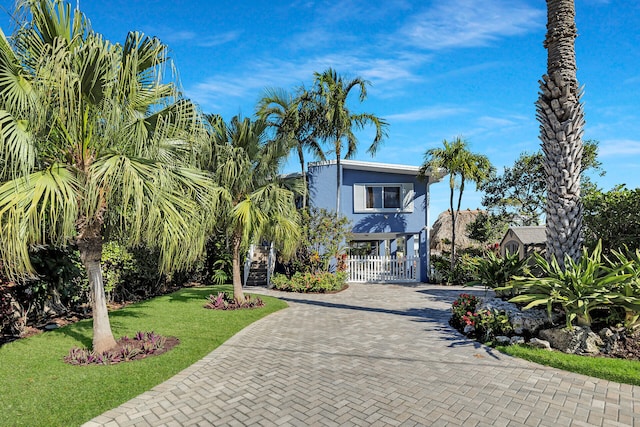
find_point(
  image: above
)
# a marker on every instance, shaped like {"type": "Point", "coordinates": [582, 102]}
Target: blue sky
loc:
{"type": "Point", "coordinates": [438, 69]}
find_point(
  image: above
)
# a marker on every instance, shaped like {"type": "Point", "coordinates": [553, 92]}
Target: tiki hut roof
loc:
{"type": "Point", "coordinates": [441, 231]}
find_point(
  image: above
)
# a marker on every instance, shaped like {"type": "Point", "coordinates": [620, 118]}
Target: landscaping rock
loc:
{"type": "Point", "coordinates": [522, 321]}
{"type": "Point", "coordinates": [577, 340]}
{"type": "Point", "coordinates": [503, 340]}
{"type": "Point", "coordinates": [538, 343]}
{"type": "Point", "coordinates": [517, 339]}
{"type": "Point", "coordinates": [468, 329]}
{"type": "Point", "coordinates": [610, 339]}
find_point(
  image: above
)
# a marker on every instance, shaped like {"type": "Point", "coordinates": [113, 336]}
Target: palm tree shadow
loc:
{"type": "Point", "coordinates": [381, 223]}
{"type": "Point", "coordinates": [437, 318]}
{"type": "Point", "coordinates": [82, 331]}
{"type": "Point", "coordinates": [199, 293]}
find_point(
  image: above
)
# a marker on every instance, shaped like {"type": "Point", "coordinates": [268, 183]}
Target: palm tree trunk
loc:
{"type": "Point", "coordinates": [91, 254]}
{"type": "Point", "coordinates": [561, 118]}
{"type": "Point", "coordinates": [338, 180]}
{"type": "Point", "coordinates": [236, 242]}
{"type": "Point", "coordinates": [304, 189]}
{"type": "Point", "coordinates": [453, 224]}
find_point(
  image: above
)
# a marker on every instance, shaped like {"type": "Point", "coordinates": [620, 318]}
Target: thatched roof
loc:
{"type": "Point", "coordinates": [441, 231]}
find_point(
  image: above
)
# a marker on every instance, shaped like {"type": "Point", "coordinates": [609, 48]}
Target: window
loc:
{"type": "Point", "coordinates": [383, 197]}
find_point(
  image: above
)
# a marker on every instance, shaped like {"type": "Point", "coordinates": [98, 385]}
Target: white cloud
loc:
{"type": "Point", "coordinates": [218, 39]}
{"type": "Point", "coordinates": [429, 113]}
{"type": "Point", "coordinates": [259, 74]}
{"type": "Point", "coordinates": [173, 37]}
{"type": "Point", "coordinates": [618, 147]}
{"type": "Point", "coordinates": [470, 23]}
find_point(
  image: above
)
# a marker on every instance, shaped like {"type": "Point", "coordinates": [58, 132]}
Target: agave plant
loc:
{"type": "Point", "coordinates": [580, 287]}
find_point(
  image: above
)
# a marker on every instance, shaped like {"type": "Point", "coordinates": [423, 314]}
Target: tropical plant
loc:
{"type": "Point", "coordinates": [310, 282]}
{"type": "Point", "coordinates": [628, 292]}
{"type": "Point", "coordinates": [561, 118]}
{"type": "Point", "coordinates": [579, 287]}
{"type": "Point", "coordinates": [292, 118]}
{"type": "Point", "coordinates": [334, 122]}
{"type": "Point", "coordinates": [455, 159]}
{"type": "Point", "coordinates": [494, 270]}
{"type": "Point", "coordinates": [225, 301]}
{"type": "Point", "coordinates": [97, 146]}
{"type": "Point", "coordinates": [255, 205]}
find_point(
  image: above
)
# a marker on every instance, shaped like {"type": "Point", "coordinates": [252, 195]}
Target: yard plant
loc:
{"type": "Point", "coordinates": [310, 282]}
{"type": "Point", "coordinates": [39, 388]}
{"type": "Point", "coordinates": [579, 287]}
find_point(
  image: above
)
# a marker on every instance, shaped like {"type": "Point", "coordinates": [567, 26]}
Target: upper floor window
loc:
{"type": "Point", "coordinates": [386, 197]}
{"type": "Point", "coordinates": [383, 197]}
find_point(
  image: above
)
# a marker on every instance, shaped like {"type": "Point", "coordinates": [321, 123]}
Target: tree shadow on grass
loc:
{"type": "Point", "coordinates": [82, 331]}
{"type": "Point", "coordinates": [199, 293]}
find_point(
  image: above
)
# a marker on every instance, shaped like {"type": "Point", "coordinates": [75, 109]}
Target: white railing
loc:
{"type": "Point", "coordinates": [383, 269]}
{"type": "Point", "coordinates": [247, 264]}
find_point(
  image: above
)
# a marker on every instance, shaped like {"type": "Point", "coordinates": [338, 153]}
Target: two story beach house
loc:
{"type": "Point", "coordinates": [388, 206]}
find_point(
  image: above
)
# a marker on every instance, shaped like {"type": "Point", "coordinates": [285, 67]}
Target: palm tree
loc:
{"type": "Point", "coordinates": [292, 120]}
{"type": "Point", "coordinates": [561, 118]}
{"type": "Point", "coordinates": [455, 159]}
{"type": "Point", "coordinates": [256, 206]}
{"type": "Point", "coordinates": [96, 148]}
{"type": "Point", "coordinates": [335, 123]}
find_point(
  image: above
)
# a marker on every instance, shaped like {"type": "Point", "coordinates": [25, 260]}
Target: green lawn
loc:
{"type": "Point", "coordinates": [39, 389]}
{"type": "Point", "coordinates": [618, 370]}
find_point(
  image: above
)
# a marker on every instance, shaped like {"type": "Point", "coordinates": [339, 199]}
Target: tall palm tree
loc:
{"type": "Point", "coordinates": [561, 118]}
{"type": "Point", "coordinates": [291, 116]}
{"type": "Point", "coordinates": [335, 122]}
{"type": "Point", "coordinates": [455, 159]}
{"type": "Point", "coordinates": [256, 206]}
{"type": "Point", "coordinates": [95, 147]}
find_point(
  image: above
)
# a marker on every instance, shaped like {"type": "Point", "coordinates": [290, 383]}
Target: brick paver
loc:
{"type": "Point", "coordinates": [373, 355]}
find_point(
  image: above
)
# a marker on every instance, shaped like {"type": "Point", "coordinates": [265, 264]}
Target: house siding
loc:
{"type": "Point", "coordinates": [322, 191]}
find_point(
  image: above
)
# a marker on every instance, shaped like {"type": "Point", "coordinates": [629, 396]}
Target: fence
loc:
{"type": "Point", "coordinates": [383, 269]}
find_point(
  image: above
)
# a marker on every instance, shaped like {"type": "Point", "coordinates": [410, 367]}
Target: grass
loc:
{"type": "Point", "coordinates": [39, 389]}
{"type": "Point", "coordinates": [618, 370]}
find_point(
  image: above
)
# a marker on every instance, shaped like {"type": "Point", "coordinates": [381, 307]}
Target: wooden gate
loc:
{"type": "Point", "coordinates": [383, 269]}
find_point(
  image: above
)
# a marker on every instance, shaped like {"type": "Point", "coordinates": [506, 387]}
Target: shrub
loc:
{"type": "Point", "coordinates": [494, 270]}
{"type": "Point", "coordinates": [320, 248]}
{"type": "Point", "coordinates": [309, 282]}
{"type": "Point", "coordinates": [628, 292]}
{"type": "Point", "coordinates": [225, 301]}
{"type": "Point", "coordinates": [465, 303]}
{"type": "Point", "coordinates": [464, 270]}
{"type": "Point", "coordinates": [130, 274]}
{"type": "Point", "coordinates": [485, 324]}
{"type": "Point", "coordinates": [580, 287]}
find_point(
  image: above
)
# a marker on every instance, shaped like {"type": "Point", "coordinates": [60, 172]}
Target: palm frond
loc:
{"type": "Point", "coordinates": [37, 209]}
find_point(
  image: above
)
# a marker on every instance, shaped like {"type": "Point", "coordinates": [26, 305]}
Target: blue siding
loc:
{"type": "Point", "coordinates": [322, 187]}
{"type": "Point", "coordinates": [382, 222]}
{"type": "Point", "coordinates": [322, 194]}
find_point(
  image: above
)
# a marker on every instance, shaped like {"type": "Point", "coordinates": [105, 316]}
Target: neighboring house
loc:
{"type": "Point", "coordinates": [523, 240]}
{"type": "Point", "coordinates": [388, 207]}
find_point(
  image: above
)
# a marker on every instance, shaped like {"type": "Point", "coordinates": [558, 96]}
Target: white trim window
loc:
{"type": "Point", "coordinates": [383, 197]}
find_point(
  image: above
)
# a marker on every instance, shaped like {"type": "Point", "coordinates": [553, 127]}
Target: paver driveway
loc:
{"type": "Point", "coordinates": [372, 355]}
